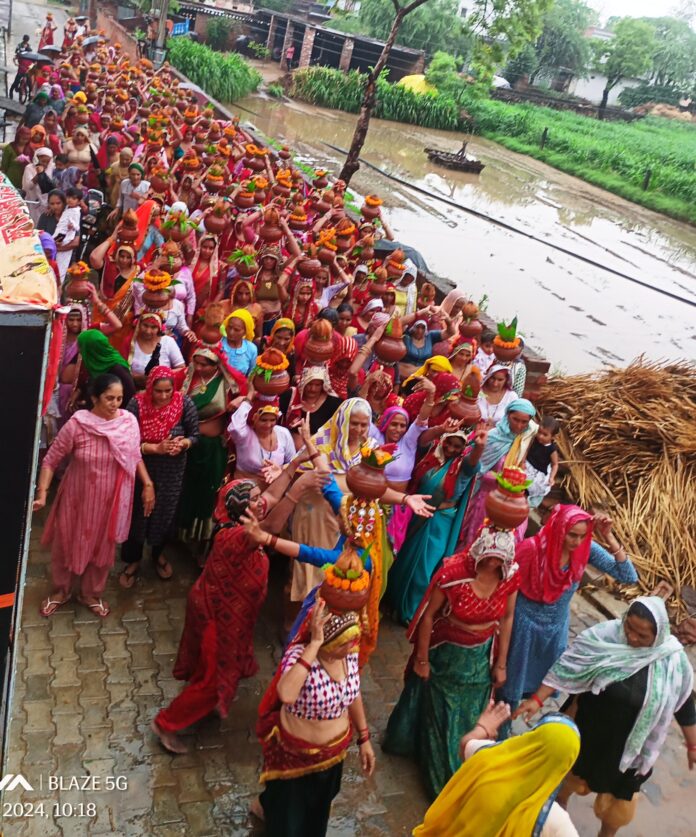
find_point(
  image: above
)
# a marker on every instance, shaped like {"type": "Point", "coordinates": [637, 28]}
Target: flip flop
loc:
{"type": "Point", "coordinates": [101, 608]}
{"type": "Point", "coordinates": [51, 606]}
{"type": "Point", "coordinates": [127, 579]}
{"type": "Point", "coordinates": [163, 568]}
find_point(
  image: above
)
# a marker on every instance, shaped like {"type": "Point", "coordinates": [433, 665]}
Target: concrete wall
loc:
{"type": "Point", "coordinates": [592, 88]}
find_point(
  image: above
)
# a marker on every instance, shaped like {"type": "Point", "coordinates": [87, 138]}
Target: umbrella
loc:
{"type": "Point", "coordinates": [80, 18]}
{"type": "Point", "coordinates": [51, 50]}
{"type": "Point", "coordinates": [35, 56]}
{"type": "Point", "coordinates": [94, 39]}
{"type": "Point", "coordinates": [189, 85]}
{"type": "Point", "coordinates": [385, 245]}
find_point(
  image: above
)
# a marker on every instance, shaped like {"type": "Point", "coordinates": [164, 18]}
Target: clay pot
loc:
{"type": "Point", "coordinates": [505, 354]}
{"type": "Point", "coordinates": [467, 409]}
{"type": "Point", "coordinates": [281, 191]}
{"type": "Point", "coordinates": [369, 212]}
{"type": "Point", "coordinates": [320, 182]}
{"type": "Point", "coordinates": [260, 195]}
{"type": "Point", "coordinates": [156, 299]}
{"type": "Point", "coordinates": [200, 148]}
{"type": "Point", "coordinates": [296, 223]}
{"type": "Point", "coordinates": [366, 482]}
{"type": "Point", "coordinates": [214, 186]}
{"type": "Point", "coordinates": [341, 601]}
{"type": "Point", "coordinates": [322, 206]}
{"type": "Point", "coordinates": [278, 383]}
{"type": "Point", "coordinates": [143, 111]}
{"type": "Point", "coordinates": [79, 288]}
{"type": "Point", "coordinates": [344, 243]}
{"type": "Point", "coordinates": [245, 200]}
{"type": "Point", "coordinates": [246, 270]}
{"type": "Point", "coordinates": [318, 351]}
{"type": "Point", "coordinates": [393, 272]}
{"type": "Point", "coordinates": [390, 349]}
{"type": "Point", "coordinates": [308, 268]}
{"type": "Point", "coordinates": [326, 256]}
{"type": "Point", "coordinates": [215, 224]}
{"type": "Point", "coordinates": [471, 328]}
{"type": "Point", "coordinates": [158, 183]}
{"type": "Point", "coordinates": [175, 234]}
{"type": "Point", "coordinates": [284, 153]}
{"type": "Point", "coordinates": [505, 509]}
{"type": "Point", "coordinates": [366, 254]}
{"type": "Point", "coordinates": [209, 334]}
{"type": "Point", "coordinates": [127, 234]}
{"type": "Point", "coordinates": [255, 163]}
{"type": "Point", "coordinates": [270, 233]}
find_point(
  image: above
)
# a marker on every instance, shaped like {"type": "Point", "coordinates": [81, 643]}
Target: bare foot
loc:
{"type": "Point", "coordinates": [256, 808]}
{"type": "Point", "coordinates": [169, 740]}
{"type": "Point", "coordinates": [494, 716]}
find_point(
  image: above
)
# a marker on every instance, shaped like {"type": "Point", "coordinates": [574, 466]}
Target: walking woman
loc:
{"type": "Point", "coordinates": [211, 384]}
{"type": "Point", "coordinates": [168, 424]}
{"type": "Point", "coordinates": [461, 634]}
{"type": "Point", "coordinates": [92, 509]}
{"type": "Point", "coordinates": [238, 335]}
{"type": "Point", "coordinates": [446, 472]}
{"type": "Point", "coordinates": [509, 788]}
{"type": "Point", "coordinates": [217, 647]}
{"type": "Point", "coordinates": [628, 678]}
{"type": "Point", "coordinates": [99, 357]}
{"type": "Point", "coordinates": [552, 564]}
{"type": "Point", "coordinates": [306, 722]}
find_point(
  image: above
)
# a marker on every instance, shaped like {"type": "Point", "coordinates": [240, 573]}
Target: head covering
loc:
{"type": "Point", "coordinates": [340, 628]}
{"type": "Point", "coordinates": [437, 363]}
{"type": "Point", "coordinates": [506, 789]}
{"type": "Point", "coordinates": [283, 322]}
{"type": "Point", "coordinates": [235, 382]}
{"type": "Point", "coordinates": [98, 355]}
{"type": "Point", "coordinates": [497, 367]}
{"type": "Point", "coordinates": [447, 388]}
{"type": "Point", "coordinates": [389, 414]}
{"type": "Point", "coordinates": [231, 503]}
{"type": "Point", "coordinates": [452, 298]}
{"type": "Point", "coordinates": [311, 308]}
{"type": "Point", "coordinates": [243, 315]}
{"type": "Point", "coordinates": [137, 167]}
{"type": "Point", "coordinates": [502, 441]}
{"type": "Point", "coordinates": [332, 437]}
{"type": "Point", "coordinates": [157, 423]}
{"type": "Point", "coordinates": [42, 152]}
{"type": "Point", "coordinates": [345, 349]}
{"type": "Point", "coordinates": [435, 458]}
{"type": "Point", "coordinates": [496, 543]}
{"type": "Point", "coordinates": [419, 323]}
{"type": "Point", "coordinates": [601, 655]}
{"type": "Point", "coordinates": [379, 319]}
{"type": "Point", "coordinates": [179, 206]}
{"type": "Point", "coordinates": [374, 304]}
{"type": "Point", "coordinates": [542, 578]}
{"type": "Point", "coordinates": [260, 406]}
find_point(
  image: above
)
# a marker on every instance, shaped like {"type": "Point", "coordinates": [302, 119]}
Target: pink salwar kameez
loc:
{"type": "Point", "coordinates": [92, 510]}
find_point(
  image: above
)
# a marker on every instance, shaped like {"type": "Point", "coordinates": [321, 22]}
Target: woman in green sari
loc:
{"type": "Point", "coordinates": [211, 384]}
{"type": "Point", "coordinates": [446, 473]}
{"type": "Point", "coordinates": [461, 636]}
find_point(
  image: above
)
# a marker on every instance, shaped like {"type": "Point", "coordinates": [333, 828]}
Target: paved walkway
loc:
{"type": "Point", "coordinates": [86, 691]}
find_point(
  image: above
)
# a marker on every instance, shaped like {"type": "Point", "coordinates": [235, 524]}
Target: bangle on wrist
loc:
{"type": "Point", "coordinates": [403, 500]}
{"type": "Point", "coordinates": [539, 702]}
{"type": "Point", "coordinates": [488, 735]}
{"type": "Point", "coordinates": [302, 662]}
{"type": "Point", "coordinates": [691, 748]}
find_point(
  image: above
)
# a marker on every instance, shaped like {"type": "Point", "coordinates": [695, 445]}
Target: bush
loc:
{"type": "Point", "coordinates": [218, 33]}
{"type": "Point", "coordinates": [631, 97]}
{"type": "Point", "coordinates": [225, 77]}
{"type": "Point", "coordinates": [275, 90]}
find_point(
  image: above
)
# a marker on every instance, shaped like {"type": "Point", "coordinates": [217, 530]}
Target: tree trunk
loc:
{"type": "Point", "coordinates": [352, 163]}
{"type": "Point", "coordinates": [603, 103]}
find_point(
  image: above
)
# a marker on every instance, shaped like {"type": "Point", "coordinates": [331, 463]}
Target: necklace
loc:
{"type": "Point", "coordinates": [203, 385]}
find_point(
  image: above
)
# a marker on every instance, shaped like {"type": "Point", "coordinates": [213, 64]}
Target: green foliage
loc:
{"type": "Point", "coordinates": [562, 42]}
{"type": "Point", "coordinates": [442, 72]}
{"type": "Point", "coordinates": [218, 32]}
{"type": "Point", "coordinates": [674, 54]}
{"type": "Point", "coordinates": [523, 64]}
{"type": "Point", "coordinates": [261, 51]}
{"type": "Point", "coordinates": [628, 54]}
{"type": "Point", "coordinates": [275, 90]}
{"type": "Point", "coordinates": [631, 97]}
{"type": "Point", "coordinates": [225, 77]}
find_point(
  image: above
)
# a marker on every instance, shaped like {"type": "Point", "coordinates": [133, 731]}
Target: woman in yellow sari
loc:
{"type": "Point", "coordinates": [507, 789]}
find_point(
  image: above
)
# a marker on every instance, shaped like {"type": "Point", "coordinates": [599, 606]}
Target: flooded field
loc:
{"type": "Point", "coordinates": [579, 315]}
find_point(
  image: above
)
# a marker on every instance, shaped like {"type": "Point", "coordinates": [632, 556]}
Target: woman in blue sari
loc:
{"type": "Point", "coordinates": [446, 473]}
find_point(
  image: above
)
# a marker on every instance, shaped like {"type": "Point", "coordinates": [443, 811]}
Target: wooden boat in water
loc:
{"type": "Point", "coordinates": [458, 161]}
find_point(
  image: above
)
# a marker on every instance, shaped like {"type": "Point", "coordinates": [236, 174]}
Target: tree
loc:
{"type": "Point", "coordinates": [674, 55]}
{"type": "Point", "coordinates": [523, 64]}
{"type": "Point", "coordinates": [562, 43]}
{"type": "Point", "coordinates": [627, 55]}
{"type": "Point", "coordinates": [352, 163]}
{"type": "Point", "coordinates": [443, 72]}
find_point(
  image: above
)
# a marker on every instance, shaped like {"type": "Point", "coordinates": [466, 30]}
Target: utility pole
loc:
{"type": "Point", "coordinates": [158, 57]}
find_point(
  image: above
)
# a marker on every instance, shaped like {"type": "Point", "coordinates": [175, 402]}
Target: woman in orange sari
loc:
{"type": "Point", "coordinates": [206, 272]}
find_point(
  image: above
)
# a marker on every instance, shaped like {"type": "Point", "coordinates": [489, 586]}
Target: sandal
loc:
{"type": "Point", "coordinates": [128, 576]}
{"type": "Point", "coordinates": [100, 607]}
{"type": "Point", "coordinates": [163, 568]}
{"type": "Point", "coordinates": [50, 606]}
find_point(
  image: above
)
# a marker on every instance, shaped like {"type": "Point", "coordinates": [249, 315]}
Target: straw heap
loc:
{"type": "Point", "coordinates": [628, 442]}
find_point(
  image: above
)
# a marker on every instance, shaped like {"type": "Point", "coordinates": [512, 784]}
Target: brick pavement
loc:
{"type": "Point", "coordinates": [86, 691]}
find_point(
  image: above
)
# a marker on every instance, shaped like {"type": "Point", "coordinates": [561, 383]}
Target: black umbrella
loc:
{"type": "Point", "coordinates": [385, 245]}
{"type": "Point", "coordinates": [93, 39]}
{"type": "Point", "coordinates": [35, 56]}
{"type": "Point", "coordinates": [50, 49]}
{"type": "Point", "coordinates": [80, 18]}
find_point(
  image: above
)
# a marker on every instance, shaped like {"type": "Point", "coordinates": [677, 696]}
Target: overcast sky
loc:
{"type": "Point", "coordinates": [632, 8]}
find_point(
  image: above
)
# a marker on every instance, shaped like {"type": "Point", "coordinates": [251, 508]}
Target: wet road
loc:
{"type": "Point", "coordinates": [580, 316]}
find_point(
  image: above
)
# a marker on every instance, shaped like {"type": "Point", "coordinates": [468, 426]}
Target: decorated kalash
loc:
{"type": "Point", "coordinates": [506, 505]}
{"type": "Point", "coordinates": [356, 581]}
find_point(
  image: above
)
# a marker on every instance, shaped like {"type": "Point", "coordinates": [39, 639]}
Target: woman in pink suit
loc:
{"type": "Point", "coordinates": [92, 509]}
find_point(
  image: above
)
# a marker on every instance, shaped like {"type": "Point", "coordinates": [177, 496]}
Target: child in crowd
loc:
{"type": "Point", "coordinates": [69, 225]}
{"type": "Point", "coordinates": [484, 356]}
{"type": "Point", "coordinates": [542, 461]}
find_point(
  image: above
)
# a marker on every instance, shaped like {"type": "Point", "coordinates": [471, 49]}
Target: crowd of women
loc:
{"type": "Point", "coordinates": [235, 347]}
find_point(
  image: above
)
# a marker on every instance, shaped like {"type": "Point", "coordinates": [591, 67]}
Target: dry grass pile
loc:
{"type": "Point", "coordinates": [628, 440]}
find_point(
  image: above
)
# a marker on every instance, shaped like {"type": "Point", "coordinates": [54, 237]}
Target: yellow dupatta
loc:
{"type": "Point", "coordinates": [502, 790]}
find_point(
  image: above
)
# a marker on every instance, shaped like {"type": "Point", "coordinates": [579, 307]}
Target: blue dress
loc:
{"type": "Point", "coordinates": [427, 542]}
{"type": "Point", "coordinates": [540, 631]}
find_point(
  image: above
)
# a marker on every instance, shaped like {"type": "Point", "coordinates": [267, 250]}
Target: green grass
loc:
{"type": "Point", "coordinates": [612, 155]}
{"type": "Point", "coordinates": [224, 76]}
